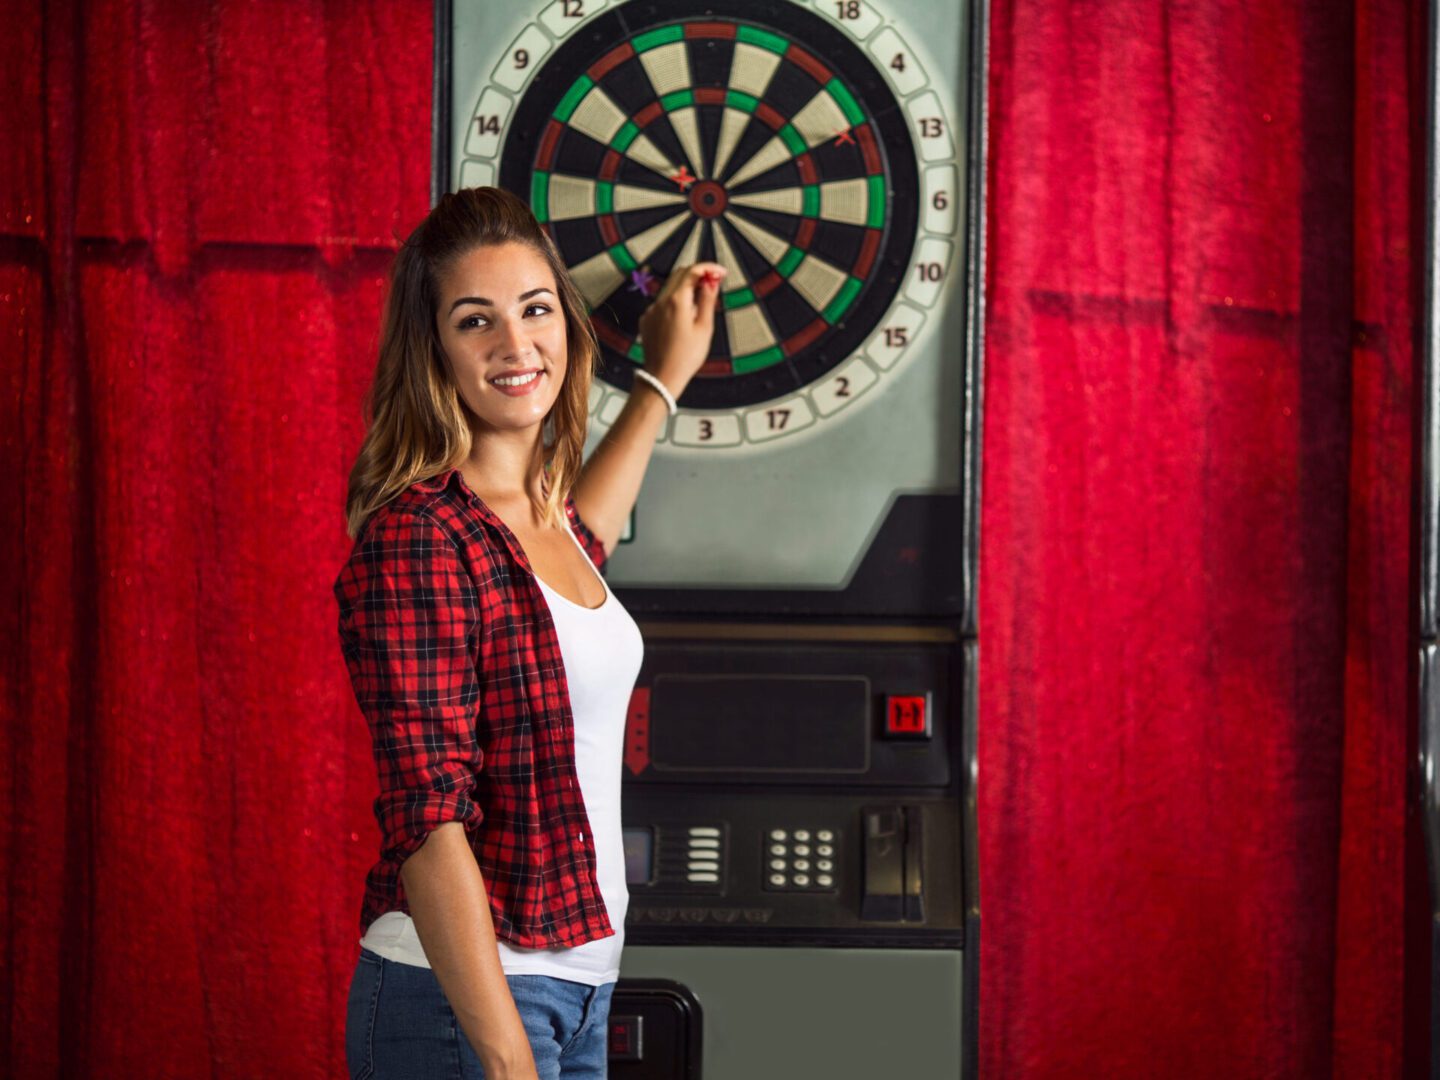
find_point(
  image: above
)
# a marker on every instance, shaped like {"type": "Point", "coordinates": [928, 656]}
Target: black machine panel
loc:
{"type": "Point", "coordinates": [808, 792]}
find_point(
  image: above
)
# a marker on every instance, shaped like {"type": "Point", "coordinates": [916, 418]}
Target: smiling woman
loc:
{"type": "Point", "coordinates": [491, 661]}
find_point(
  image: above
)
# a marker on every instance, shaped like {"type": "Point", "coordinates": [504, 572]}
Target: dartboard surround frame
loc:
{"type": "Point", "coordinates": [897, 210]}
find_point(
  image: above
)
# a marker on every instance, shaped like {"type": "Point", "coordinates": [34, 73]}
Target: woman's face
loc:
{"type": "Point", "coordinates": [503, 332]}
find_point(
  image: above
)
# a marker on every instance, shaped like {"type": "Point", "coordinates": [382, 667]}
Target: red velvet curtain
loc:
{"type": "Point", "coordinates": [1194, 572]}
{"type": "Point", "coordinates": [1195, 535]}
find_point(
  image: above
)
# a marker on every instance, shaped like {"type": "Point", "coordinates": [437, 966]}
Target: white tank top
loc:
{"type": "Point", "coordinates": [602, 650]}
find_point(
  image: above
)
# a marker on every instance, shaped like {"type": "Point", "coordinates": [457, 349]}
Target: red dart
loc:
{"type": "Point", "coordinates": [709, 277]}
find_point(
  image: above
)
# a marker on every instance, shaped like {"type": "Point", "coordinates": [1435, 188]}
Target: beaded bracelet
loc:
{"type": "Point", "coordinates": [659, 388]}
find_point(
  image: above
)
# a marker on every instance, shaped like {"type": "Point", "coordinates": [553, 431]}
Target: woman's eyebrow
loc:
{"type": "Point", "coordinates": [483, 302]}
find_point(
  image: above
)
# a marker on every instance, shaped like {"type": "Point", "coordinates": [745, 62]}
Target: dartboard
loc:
{"type": "Point", "coordinates": [811, 146]}
{"type": "Point", "coordinates": [788, 143]}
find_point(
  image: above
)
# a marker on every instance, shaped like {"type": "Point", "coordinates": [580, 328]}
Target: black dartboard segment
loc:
{"type": "Point", "coordinates": [753, 134]}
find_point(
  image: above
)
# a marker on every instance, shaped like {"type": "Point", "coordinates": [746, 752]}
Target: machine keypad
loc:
{"type": "Point", "coordinates": [788, 859]}
{"type": "Point", "coordinates": [703, 855]}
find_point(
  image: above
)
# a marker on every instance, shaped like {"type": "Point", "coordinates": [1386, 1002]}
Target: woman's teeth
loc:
{"type": "Point", "coordinates": [516, 380]}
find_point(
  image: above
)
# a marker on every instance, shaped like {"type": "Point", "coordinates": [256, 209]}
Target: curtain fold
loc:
{"type": "Point", "coordinates": [1194, 583]}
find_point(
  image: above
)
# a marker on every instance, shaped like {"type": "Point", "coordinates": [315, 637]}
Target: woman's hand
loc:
{"type": "Point", "coordinates": [677, 328]}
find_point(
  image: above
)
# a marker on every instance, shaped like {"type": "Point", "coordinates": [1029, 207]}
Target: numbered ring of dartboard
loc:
{"type": "Point", "coordinates": [758, 135]}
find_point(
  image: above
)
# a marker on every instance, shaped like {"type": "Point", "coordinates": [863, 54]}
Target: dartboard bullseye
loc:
{"type": "Point", "coordinates": [652, 139]}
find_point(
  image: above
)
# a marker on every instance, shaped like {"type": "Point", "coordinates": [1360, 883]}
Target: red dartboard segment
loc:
{"type": "Point", "coordinates": [610, 61]}
{"type": "Point", "coordinates": [649, 113]}
{"type": "Point", "coordinates": [868, 247]}
{"type": "Point", "coordinates": [803, 60]}
{"type": "Point", "coordinates": [805, 234]}
{"type": "Point", "coordinates": [766, 115]}
{"type": "Point", "coordinates": [545, 155]}
{"type": "Point", "coordinates": [717, 366]}
{"type": "Point", "coordinates": [723, 31]}
{"type": "Point", "coordinates": [610, 166]}
{"type": "Point", "coordinates": [709, 95]}
{"type": "Point", "coordinates": [868, 150]}
{"type": "Point", "coordinates": [610, 336]}
{"type": "Point", "coordinates": [767, 284]}
{"type": "Point", "coordinates": [796, 342]}
{"type": "Point", "coordinates": [808, 173]}
{"type": "Point", "coordinates": [609, 230]}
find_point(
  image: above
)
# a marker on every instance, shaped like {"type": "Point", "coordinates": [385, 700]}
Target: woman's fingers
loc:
{"type": "Point", "coordinates": [707, 295]}
{"type": "Point", "coordinates": [690, 278]}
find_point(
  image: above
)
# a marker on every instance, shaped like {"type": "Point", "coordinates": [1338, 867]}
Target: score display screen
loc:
{"type": "Point", "coordinates": [639, 856]}
{"type": "Point", "coordinates": [760, 724]}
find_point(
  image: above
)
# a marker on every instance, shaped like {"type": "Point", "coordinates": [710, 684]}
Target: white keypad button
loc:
{"type": "Point", "coordinates": [487, 126]}
{"type": "Point", "coordinates": [802, 880]}
{"type": "Point", "coordinates": [610, 411]}
{"type": "Point", "coordinates": [844, 386]}
{"type": "Point", "coordinates": [778, 880]}
{"type": "Point", "coordinates": [824, 864]}
{"type": "Point", "coordinates": [928, 271]}
{"type": "Point", "coordinates": [712, 867]}
{"type": "Point", "coordinates": [778, 418]}
{"type": "Point", "coordinates": [777, 864]}
{"type": "Point", "coordinates": [802, 849]}
{"type": "Point", "coordinates": [824, 881]}
{"type": "Point", "coordinates": [702, 879]}
{"type": "Point", "coordinates": [777, 834]}
{"type": "Point", "coordinates": [802, 864]}
{"type": "Point", "coordinates": [704, 844]}
{"type": "Point", "coordinates": [942, 193]}
{"type": "Point", "coordinates": [855, 17]}
{"type": "Point", "coordinates": [479, 174]}
{"type": "Point", "coordinates": [704, 830]}
{"type": "Point", "coordinates": [802, 835]}
{"type": "Point", "coordinates": [777, 849]}
{"type": "Point", "coordinates": [565, 15]}
{"type": "Point", "coordinates": [521, 58]}
{"type": "Point", "coordinates": [890, 341]}
{"type": "Point", "coordinates": [824, 851]}
{"type": "Point", "coordinates": [707, 429]}
{"type": "Point", "coordinates": [824, 836]}
{"type": "Point", "coordinates": [897, 61]}
{"type": "Point", "coordinates": [929, 127]}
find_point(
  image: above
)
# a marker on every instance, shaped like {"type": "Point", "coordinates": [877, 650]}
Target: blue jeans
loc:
{"type": "Point", "coordinates": [398, 1025]}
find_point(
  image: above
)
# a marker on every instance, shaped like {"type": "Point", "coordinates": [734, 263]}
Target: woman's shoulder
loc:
{"type": "Point", "coordinates": [592, 545]}
{"type": "Point", "coordinates": [439, 507]}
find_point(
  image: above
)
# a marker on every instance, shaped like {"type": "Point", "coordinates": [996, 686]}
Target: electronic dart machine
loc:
{"type": "Point", "coordinates": [799, 803]}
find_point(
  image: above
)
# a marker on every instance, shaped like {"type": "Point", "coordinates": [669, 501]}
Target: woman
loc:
{"type": "Point", "coordinates": [492, 663]}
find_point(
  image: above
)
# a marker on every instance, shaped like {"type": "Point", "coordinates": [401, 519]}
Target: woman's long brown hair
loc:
{"type": "Point", "coordinates": [417, 423]}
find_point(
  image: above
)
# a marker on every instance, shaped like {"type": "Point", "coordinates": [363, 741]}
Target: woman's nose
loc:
{"type": "Point", "coordinates": [514, 340]}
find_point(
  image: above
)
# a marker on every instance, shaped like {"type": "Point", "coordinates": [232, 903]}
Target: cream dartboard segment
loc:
{"type": "Point", "coordinates": [802, 146]}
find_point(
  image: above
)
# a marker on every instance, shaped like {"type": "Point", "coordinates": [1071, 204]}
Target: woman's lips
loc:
{"type": "Point", "coordinates": [530, 382]}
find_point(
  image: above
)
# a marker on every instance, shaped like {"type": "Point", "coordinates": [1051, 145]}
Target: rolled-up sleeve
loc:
{"type": "Point", "coordinates": [409, 628]}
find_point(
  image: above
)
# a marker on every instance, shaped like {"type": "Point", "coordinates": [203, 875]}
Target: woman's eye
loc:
{"type": "Point", "coordinates": [538, 309]}
{"type": "Point", "coordinates": [470, 322]}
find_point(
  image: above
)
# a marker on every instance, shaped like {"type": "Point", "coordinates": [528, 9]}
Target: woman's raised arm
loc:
{"type": "Point", "coordinates": [676, 332]}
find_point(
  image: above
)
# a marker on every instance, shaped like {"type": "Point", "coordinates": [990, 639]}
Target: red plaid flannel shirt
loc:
{"type": "Point", "coordinates": [456, 666]}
